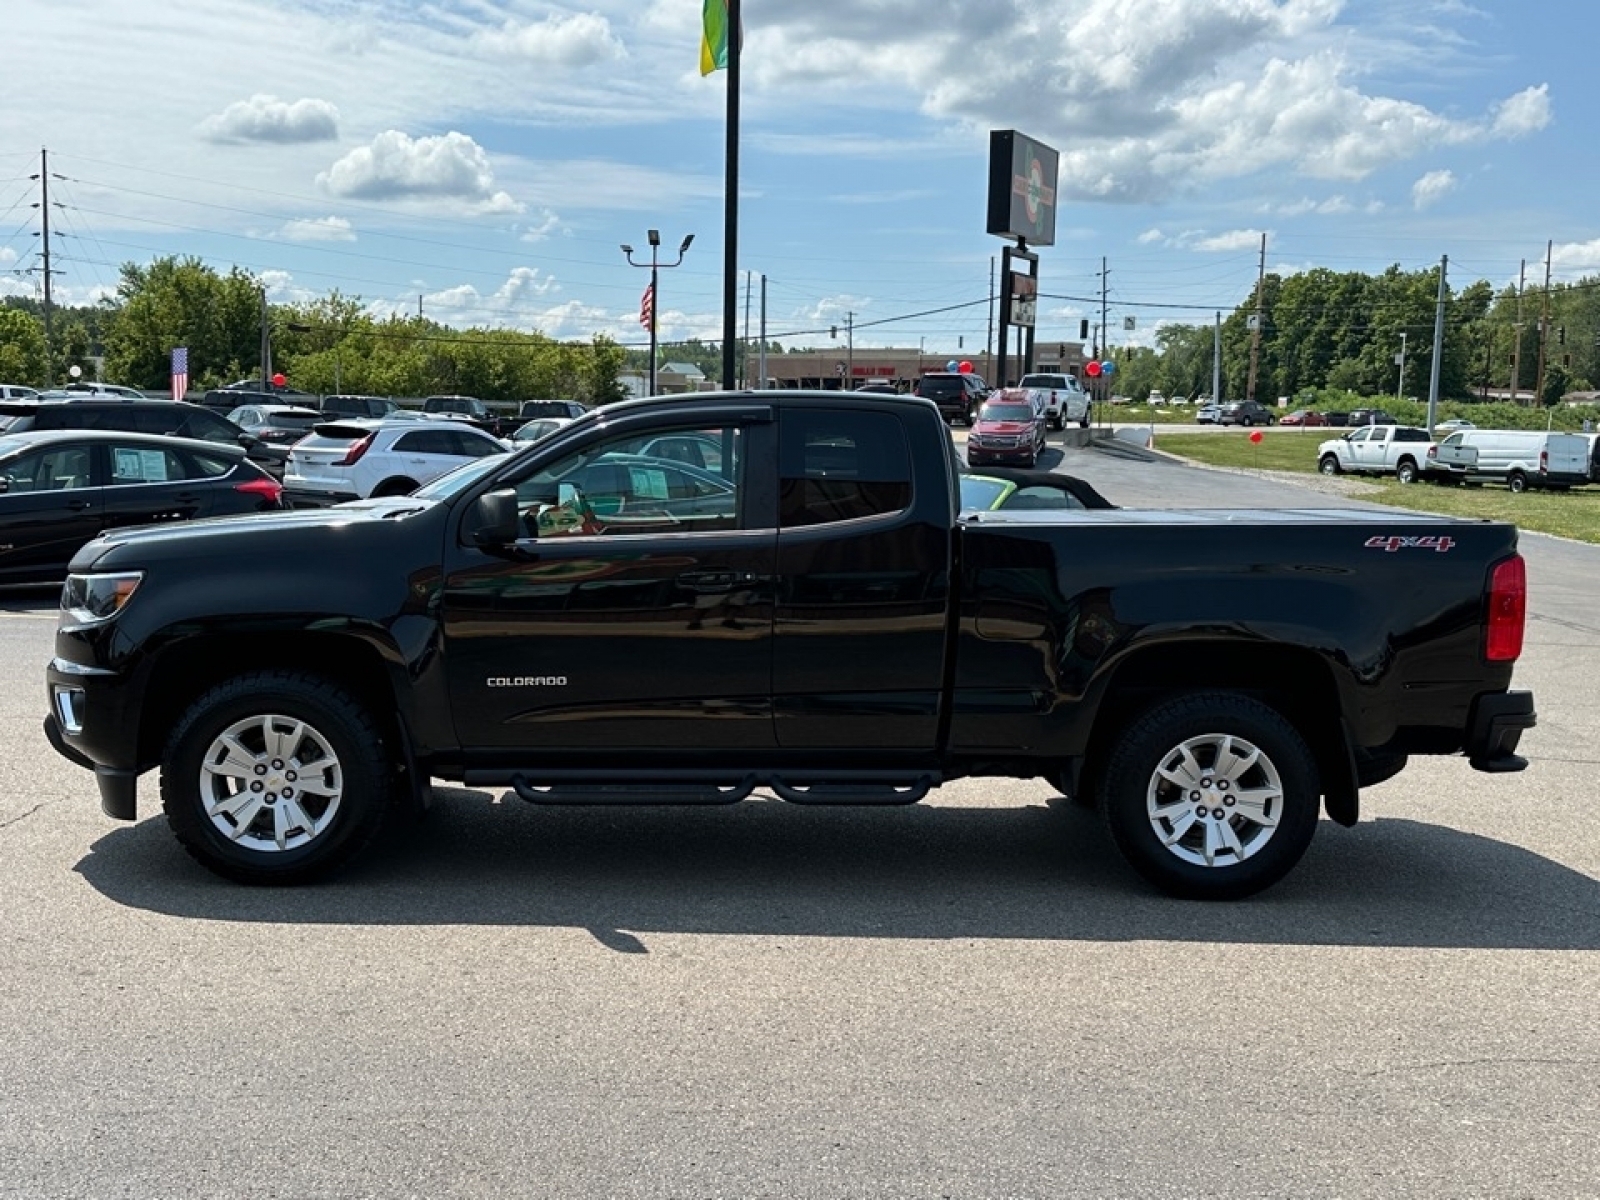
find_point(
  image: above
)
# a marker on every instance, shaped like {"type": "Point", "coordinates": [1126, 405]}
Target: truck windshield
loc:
{"type": "Point", "coordinates": [1006, 412]}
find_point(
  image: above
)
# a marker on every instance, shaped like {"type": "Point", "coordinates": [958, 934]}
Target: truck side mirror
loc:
{"type": "Point", "coordinates": [493, 519]}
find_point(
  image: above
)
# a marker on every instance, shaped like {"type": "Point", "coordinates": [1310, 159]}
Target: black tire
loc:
{"type": "Point", "coordinates": [1136, 801]}
{"type": "Point", "coordinates": [1083, 422]}
{"type": "Point", "coordinates": [1329, 465]}
{"type": "Point", "coordinates": [1517, 481]}
{"type": "Point", "coordinates": [347, 762]}
{"type": "Point", "coordinates": [396, 487]}
{"type": "Point", "coordinates": [1406, 471]}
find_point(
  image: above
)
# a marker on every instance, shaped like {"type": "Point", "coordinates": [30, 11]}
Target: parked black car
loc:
{"type": "Point", "coordinates": [251, 391]}
{"type": "Point", "coordinates": [170, 418]}
{"type": "Point", "coordinates": [958, 396]}
{"type": "Point", "coordinates": [532, 409]}
{"type": "Point", "coordinates": [61, 488]}
{"type": "Point", "coordinates": [1367, 416]}
{"type": "Point", "coordinates": [355, 406]}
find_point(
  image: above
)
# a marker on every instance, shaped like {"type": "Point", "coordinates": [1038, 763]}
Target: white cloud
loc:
{"type": "Point", "coordinates": [1572, 259]}
{"type": "Point", "coordinates": [318, 229]}
{"type": "Point", "coordinates": [1151, 236]}
{"type": "Point", "coordinates": [265, 118]}
{"type": "Point", "coordinates": [397, 166]}
{"type": "Point", "coordinates": [579, 40]}
{"type": "Point", "coordinates": [546, 224]}
{"type": "Point", "coordinates": [1331, 206]}
{"type": "Point", "coordinates": [1236, 239]}
{"type": "Point", "coordinates": [1432, 188]}
{"type": "Point", "coordinates": [1526, 112]}
{"type": "Point", "coordinates": [7, 256]}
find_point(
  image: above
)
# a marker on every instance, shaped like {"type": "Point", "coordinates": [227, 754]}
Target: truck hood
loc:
{"type": "Point", "coordinates": [264, 535]}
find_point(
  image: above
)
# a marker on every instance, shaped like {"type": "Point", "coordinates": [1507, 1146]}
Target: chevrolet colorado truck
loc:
{"type": "Point", "coordinates": [798, 606]}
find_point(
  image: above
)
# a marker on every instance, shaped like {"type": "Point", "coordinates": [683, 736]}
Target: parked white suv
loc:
{"type": "Point", "coordinates": [355, 458]}
{"type": "Point", "coordinates": [1060, 397]}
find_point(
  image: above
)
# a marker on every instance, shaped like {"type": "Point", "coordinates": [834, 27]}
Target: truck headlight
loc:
{"type": "Point", "coordinates": [91, 599]}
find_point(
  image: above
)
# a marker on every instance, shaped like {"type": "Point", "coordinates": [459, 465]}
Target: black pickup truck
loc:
{"type": "Point", "coordinates": [685, 600]}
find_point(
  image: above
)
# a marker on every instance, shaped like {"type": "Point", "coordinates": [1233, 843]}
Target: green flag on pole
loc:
{"type": "Point", "coordinates": [714, 37]}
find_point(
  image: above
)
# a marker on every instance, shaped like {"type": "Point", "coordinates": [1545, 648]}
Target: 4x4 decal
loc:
{"type": "Point", "coordinates": [1393, 542]}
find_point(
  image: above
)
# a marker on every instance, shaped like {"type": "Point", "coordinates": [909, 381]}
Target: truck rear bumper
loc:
{"type": "Point", "coordinates": [1498, 719]}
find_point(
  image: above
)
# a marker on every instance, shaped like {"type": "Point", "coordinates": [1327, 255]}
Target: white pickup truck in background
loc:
{"type": "Point", "coordinates": [1403, 451]}
{"type": "Point", "coordinates": [1061, 398]}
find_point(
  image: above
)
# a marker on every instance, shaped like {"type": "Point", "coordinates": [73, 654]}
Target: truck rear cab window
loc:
{"type": "Point", "coordinates": [841, 466]}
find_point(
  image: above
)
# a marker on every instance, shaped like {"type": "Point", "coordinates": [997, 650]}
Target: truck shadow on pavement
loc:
{"type": "Point", "coordinates": [924, 872]}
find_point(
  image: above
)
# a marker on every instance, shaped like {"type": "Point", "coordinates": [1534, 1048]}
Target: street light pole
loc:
{"type": "Point", "coordinates": [656, 266]}
{"type": "Point", "coordinates": [1400, 384]}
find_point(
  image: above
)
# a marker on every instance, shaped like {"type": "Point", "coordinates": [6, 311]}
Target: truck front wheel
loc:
{"type": "Point", "coordinates": [1211, 796]}
{"type": "Point", "coordinates": [275, 777]}
{"type": "Point", "coordinates": [1329, 465]}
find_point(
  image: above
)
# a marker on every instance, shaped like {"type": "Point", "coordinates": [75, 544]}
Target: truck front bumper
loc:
{"type": "Point", "coordinates": [1495, 728]}
{"type": "Point", "coordinates": [93, 722]}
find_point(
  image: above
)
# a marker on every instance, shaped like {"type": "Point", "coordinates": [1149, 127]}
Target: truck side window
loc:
{"type": "Point", "coordinates": [840, 466]}
{"type": "Point", "coordinates": [640, 484]}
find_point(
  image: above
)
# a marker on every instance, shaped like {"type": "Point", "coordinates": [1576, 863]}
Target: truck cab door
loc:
{"type": "Point", "coordinates": [635, 612]}
{"type": "Point", "coordinates": [863, 580]}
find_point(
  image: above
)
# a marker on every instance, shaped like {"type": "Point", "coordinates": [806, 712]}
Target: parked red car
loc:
{"type": "Point", "coordinates": [1303, 417]}
{"type": "Point", "coordinates": [1007, 429]}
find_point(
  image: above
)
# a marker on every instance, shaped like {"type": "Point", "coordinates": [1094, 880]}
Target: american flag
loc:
{"type": "Point", "coordinates": [647, 306]}
{"type": "Point", "coordinates": [180, 372]}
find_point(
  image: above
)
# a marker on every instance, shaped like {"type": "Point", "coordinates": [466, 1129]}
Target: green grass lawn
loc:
{"type": "Point", "coordinates": [1574, 514]}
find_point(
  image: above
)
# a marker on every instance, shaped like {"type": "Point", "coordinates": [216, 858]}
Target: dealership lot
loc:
{"type": "Point", "coordinates": [972, 997]}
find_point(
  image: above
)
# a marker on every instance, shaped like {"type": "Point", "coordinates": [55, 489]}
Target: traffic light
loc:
{"type": "Point", "coordinates": [1083, 329]}
{"type": "Point", "coordinates": [833, 331]}
{"type": "Point", "coordinates": [1561, 335]}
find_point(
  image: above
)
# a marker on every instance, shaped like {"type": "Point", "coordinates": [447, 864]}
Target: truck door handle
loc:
{"type": "Point", "coordinates": [708, 582]}
{"type": "Point", "coordinates": [79, 505]}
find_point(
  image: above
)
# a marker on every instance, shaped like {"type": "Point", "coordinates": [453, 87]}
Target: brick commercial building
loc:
{"type": "Point", "coordinates": [834, 367]}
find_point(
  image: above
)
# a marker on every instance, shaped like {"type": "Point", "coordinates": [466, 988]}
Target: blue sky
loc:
{"type": "Point", "coordinates": [489, 157]}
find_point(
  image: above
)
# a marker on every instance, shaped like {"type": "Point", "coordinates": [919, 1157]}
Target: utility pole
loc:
{"type": "Point", "coordinates": [762, 382]}
{"type": "Point", "coordinates": [850, 348]}
{"type": "Point", "coordinates": [1516, 349]}
{"type": "Point", "coordinates": [266, 342]}
{"type": "Point", "coordinates": [1400, 384]}
{"type": "Point", "coordinates": [1216, 361]}
{"type": "Point", "coordinates": [744, 357]}
{"type": "Point", "coordinates": [1255, 330]}
{"type": "Point", "coordinates": [1544, 325]}
{"type": "Point", "coordinates": [44, 253]}
{"type": "Point", "coordinates": [1438, 345]}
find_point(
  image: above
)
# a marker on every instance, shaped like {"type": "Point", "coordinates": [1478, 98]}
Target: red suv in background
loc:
{"type": "Point", "coordinates": [1006, 429]}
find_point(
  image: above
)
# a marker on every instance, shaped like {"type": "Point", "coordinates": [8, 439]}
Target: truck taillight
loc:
{"type": "Point", "coordinates": [1433, 452]}
{"type": "Point", "coordinates": [1508, 610]}
{"type": "Point", "coordinates": [1544, 462]}
{"type": "Point", "coordinates": [353, 455]}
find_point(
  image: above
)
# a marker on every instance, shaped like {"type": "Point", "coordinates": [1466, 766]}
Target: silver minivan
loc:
{"type": "Point", "coordinates": [1521, 458]}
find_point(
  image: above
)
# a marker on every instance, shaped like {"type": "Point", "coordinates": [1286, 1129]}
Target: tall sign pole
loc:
{"type": "Point", "coordinates": [1255, 332]}
{"type": "Point", "coordinates": [730, 248]}
{"type": "Point", "coordinates": [1438, 346]}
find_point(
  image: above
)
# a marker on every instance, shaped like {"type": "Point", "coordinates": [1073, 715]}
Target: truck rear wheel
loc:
{"type": "Point", "coordinates": [1406, 471]}
{"type": "Point", "coordinates": [1517, 481]}
{"type": "Point", "coordinates": [1211, 796]}
{"type": "Point", "coordinates": [275, 777]}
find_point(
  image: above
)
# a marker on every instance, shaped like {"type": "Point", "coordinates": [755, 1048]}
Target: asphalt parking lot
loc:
{"type": "Point", "coordinates": [969, 998]}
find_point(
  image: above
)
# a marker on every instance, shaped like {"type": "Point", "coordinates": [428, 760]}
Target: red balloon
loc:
{"type": "Point", "coordinates": [1256, 437]}
{"type": "Point", "coordinates": [1092, 368]}
{"type": "Point", "coordinates": [279, 379]}
{"type": "Point", "coordinates": [966, 368]}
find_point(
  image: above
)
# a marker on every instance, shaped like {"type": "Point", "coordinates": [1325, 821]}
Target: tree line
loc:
{"type": "Point", "coordinates": [329, 345]}
{"type": "Point", "coordinates": [1322, 329]}
{"type": "Point", "coordinates": [1319, 329]}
